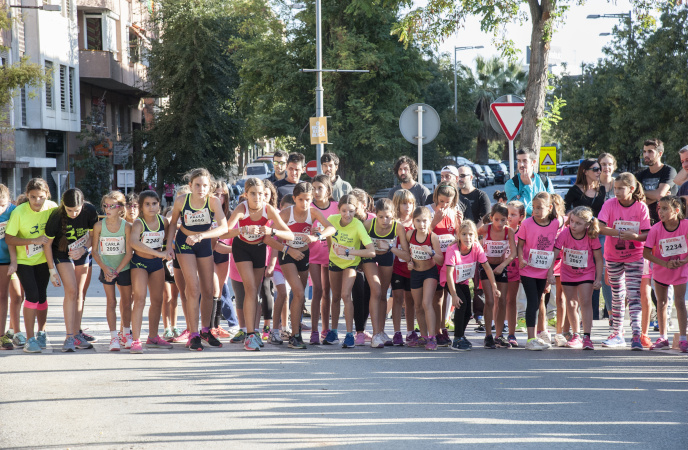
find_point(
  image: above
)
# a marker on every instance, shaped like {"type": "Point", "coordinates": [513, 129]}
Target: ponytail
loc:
{"type": "Point", "coordinates": [72, 198]}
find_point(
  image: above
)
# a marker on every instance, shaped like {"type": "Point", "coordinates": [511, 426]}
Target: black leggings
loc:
{"type": "Point", "coordinates": [267, 298]}
{"type": "Point", "coordinates": [534, 288]}
{"type": "Point", "coordinates": [34, 280]}
{"type": "Point", "coordinates": [361, 300]}
{"type": "Point", "coordinates": [462, 314]}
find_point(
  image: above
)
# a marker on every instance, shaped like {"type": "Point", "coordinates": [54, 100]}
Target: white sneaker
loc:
{"type": "Point", "coordinates": [560, 340]}
{"type": "Point", "coordinates": [129, 340]}
{"type": "Point", "coordinates": [233, 331]}
{"type": "Point", "coordinates": [386, 339]}
{"type": "Point", "coordinates": [114, 344]}
{"type": "Point", "coordinates": [536, 344]}
{"type": "Point", "coordinates": [546, 337]}
{"type": "Point", "coordinates": [614, 340]}
{"type": "Point", "coordinates": [378, 341]}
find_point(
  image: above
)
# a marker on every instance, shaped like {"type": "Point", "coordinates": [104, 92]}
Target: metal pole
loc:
{"type": "Point", "coordinates": [420, 111]}
{"type": "Point", "coordinates": [456, 94]}
{"type": "Point", "coordinates": [511, 158]}
{"type": "Point", "coordinates": [319, 109]}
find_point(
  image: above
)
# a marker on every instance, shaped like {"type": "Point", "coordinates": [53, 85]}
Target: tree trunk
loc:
{"type": "Point", "coordinates": [481, 153]}
{"type": "Point", "coordinates": [541, 16]}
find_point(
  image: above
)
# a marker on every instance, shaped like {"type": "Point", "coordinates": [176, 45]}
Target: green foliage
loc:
{"type": "Point", "coordinates": [96, 170]}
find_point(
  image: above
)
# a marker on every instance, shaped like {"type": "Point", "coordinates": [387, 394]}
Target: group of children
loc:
{"type": "Point", "coordinates": [352, 251]}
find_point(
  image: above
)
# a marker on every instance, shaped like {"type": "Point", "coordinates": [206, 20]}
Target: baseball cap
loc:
{"type": "Point", "coordinates": [451, 169]}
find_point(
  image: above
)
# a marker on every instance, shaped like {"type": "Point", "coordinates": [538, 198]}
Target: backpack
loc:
{"type": "Point", "coordinates": [517, 180]}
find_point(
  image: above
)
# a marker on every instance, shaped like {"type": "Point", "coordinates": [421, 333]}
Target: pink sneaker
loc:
{"type": "Point", "coordinates": [398, 339]}
{"type": "Point", "coordinates": [661, 344]}
{"type": "Point", "coordinates": [157, 342]}
{"type": "Point", "coordinates": [182, 337]}
{"type": "Point", "coordinates": [360, 339]}
{"type": "Point", "coordinates": [128, 341]}
{"type": "Point", "coordinates": [368, 336]}
{"type": "Point", "coordinates": [431, 344]}
{"type": "Point", "coordinates": [136, 347]}
{"type": "Point", "coordinates": [683, 346]}
{"type": "Point", "coordinates": [575, 342]}
{"type": "Point", "coordinates": [323, 333]}
{"type": "Point", "coordinates": [587, 343]}
{"type": "Point", "coordinates": [412, 340]}
{"type": "Point", "coordinates": [412, 336]}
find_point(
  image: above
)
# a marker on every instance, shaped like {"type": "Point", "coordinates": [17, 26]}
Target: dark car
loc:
{"type": "Point", "coordinates": [488, 174]}
{"type": "Point", "coordinates": [501, 173]}
{"type": "Point", "coordinates": [478, 175]}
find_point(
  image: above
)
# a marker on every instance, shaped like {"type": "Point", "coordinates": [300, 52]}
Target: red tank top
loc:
{"type": "Point", "coordinates": [247, 221]}
{"type": "Point", "coordinates": [401, 266]}
{"type": "Point", "coordinates": [417, 252]}
{"type": "Point", "coordinates": [299, 228]}
{"type": "Point", "coordinates": [445, 230]}
{"type": "Point", "coordinates": [496, 249]}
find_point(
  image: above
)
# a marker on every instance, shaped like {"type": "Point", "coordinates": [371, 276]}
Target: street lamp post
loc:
{"type": "Point", "coordinates": [456, 92]}
{"type": "Point", "coordinates": [628, 15]}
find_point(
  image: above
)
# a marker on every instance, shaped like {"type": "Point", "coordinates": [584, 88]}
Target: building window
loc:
{"type": "Point", "coordinates": [63, 88]}
{"type": "Point", "coordinates": [49, 85]}
{"type": "Point", "coordinates": [23, 106]}
{"type": "Point", "coordinates": [72, 89]}
{"type": "Point", "coordinates": [94, 33]}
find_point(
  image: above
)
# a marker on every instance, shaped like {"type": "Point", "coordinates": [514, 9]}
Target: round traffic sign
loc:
{"type": "Point", "coordinates": [408, 123]}
{"type": "Point", "coordinates": [503, 99]}
{"type": "Point", "coordinates": [312, 168]}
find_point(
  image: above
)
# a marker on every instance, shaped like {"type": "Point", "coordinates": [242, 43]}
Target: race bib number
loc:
{"type": "Point", "coordinates": [33, 249]}
{"type": "Point", "coordinates": [252, 237]}
{"type": "Point", "coordinates": [576, 258]}
{"type": "Point", "coordinates": [496, 249]}
{"type": "Point", "coordinates": [465, 272]}
{"type": "Point", "coordinates": [540, 259]}
{"type": "Point", "coordinates": [78, 243]}
{"type": "Point", "coordinates": [201, 217]}
{"type": "Point", "coordinates": [418, 253]}
{"type": "Point", "coordinates": [153, 239]}
{"type": "Point", "coordinates": [673, 246]}
{"type": "Point", "coordinates": [112, 245]}
{"type": "Point", "coordinates": [377, 243]}
{"type": "Point", "coordinates": [299, 241]}
{"type": "Point", "coordinates": [627, 225]}
{"type": "Point", "coordinates": [3, 226]}
{"type": "Point", "coordinates": [445, 241]}
{"type": "Point", "coordinates": [336, 246]}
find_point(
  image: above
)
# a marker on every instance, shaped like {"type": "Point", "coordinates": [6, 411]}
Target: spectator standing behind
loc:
{"type": "Point", "coordinates": [279, 161]}
{"type": "Point", "coordinates": [169, 194]}
{"type": "Point", "coordinates": [450, 173]}
{"type": "Point", "coordinates": [608, 167]}
{"type": "Point", "coordinates": [406, 171]}
{"type": "Point", "coordinates": [475, 203]}
{"type": "Point", "coordinates": [657, 179]}
{"type": "Point", "coordinates": [526, 185]}
{"type": "Point", "coordinates": [295, 168]}
{"type": "Point", "coordinates": [683, 190]}
{"type": "Point", "coordinates": [329, 163]}
{"type": "Point", "coordinates": [587, 191]}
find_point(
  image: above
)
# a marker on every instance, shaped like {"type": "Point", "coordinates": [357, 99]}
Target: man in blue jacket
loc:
{"type": "Point", "coordinates": [527, 184]}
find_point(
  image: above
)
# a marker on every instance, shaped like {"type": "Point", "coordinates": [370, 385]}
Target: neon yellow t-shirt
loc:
{"type": "Point", "coordinates": [25, 223]}
{"type": "Point", "coordinates": [351, 237]}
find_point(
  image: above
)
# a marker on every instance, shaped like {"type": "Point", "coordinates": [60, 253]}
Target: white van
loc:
{"type": "Point", "coordinates": [430, 179]}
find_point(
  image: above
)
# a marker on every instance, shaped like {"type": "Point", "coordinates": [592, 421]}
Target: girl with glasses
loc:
{"type": "Point", "coordinates": [587, 191]}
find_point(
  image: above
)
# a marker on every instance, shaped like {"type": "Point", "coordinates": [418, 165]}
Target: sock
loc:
{"type": "Point", "coordinates": [243, 329]}
{"type": "Point", "coordinates": [113, 334]}
{"type": "Point", "coordinates": [334, 329]}
{"type": "Point", "coordinates": [663, 336]}
{"type": "Point", "coordinates": [205, 329]}
{"type": "Point", "coordinates": [682, 338]}
{"type": "Point", "coordinates": [127, 330]}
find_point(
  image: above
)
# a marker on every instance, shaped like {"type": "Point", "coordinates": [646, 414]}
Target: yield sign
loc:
{"type": "Point", "coordinates": [509, 117]}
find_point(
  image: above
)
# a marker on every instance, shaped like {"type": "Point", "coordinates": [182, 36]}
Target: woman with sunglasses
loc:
{"type": "Point", "coordinates": [587, 191]}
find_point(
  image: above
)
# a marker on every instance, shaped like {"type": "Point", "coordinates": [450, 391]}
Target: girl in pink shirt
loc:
{"type": "Point", "coordinates": [666, 247]}
{"type": "Point", "coordinates": [461, 261]}
{"type": "Point", "coordinates": [536, 254]}
{"type": "Point", "coordinates": [581, 271]}
{"type": "Point", "coordinates": [625, 219]}
{"type": "Point", "coordinates": [517, 212]}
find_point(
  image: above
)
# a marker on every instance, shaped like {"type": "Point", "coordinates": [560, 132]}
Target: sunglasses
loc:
{"type": "Point", "coordinates": [115, 206]}
{"type": "Point", "coordinates": [464, 175]}
{"type": "Point", "coordinates": [595, 169]}
{"type": "Point", "coordinates": [279, 163]}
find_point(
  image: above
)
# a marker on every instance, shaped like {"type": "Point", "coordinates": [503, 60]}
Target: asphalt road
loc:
{"type": "Point", "coordinates": [331, 397]}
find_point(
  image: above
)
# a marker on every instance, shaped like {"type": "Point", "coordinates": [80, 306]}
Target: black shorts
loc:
{"type": "Point", "coordinates": [200, 249]}
{"type": "Point", "coordinates": [150, 265]}
{"type": "Point", "coordinates": [501, 278]}
{"type": "Point", "coordinates": [576, 283]}
{"type": "Point", "coordinates": [332, 267]}
{"type": "Point", "coordinates": [85, 260]}
{"type": "Point", "coordinates": [383, 260]}
{"type": "Point", "coordinates": [122, 279]}
{"type": "Point", "coordinates": [301, 266]}
{"type": "Point", "coordinates": [220, 258]}
{"type": "Point", "coordinates": [400, 282]}
{"type": "Point", "coordinates": [418, 278]}
{"type": "Point", "coordinates": [242, 252]}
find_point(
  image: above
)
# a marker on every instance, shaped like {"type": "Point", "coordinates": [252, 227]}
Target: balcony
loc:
{"type": "Point", "coordinates": [98, 5]}
{"type": "Point", "coordinates": [100, 68]}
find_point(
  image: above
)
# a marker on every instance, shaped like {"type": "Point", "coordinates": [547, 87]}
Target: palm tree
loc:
{"type": "Point", "coordinates": [493, 78]}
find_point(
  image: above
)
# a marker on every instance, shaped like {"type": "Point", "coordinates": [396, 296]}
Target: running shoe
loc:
{"type": "Point", "coordinates": [561, 340]}
{"type": "Point", "coordinates": [422, 341]}
{"type": "Point", "coordinates": [296, 341]}
{"type": "Point", "coordinates": [568, 336]}
{"type": "Point", "coordinates": [661, 344]}
{"type": "Point", "coordinates": [441, 341]}
{"type": "Point", "coordinates": [168, 335]}
{"type": "Point", "coordinates": [501, 342]}
{"type": "Point", "coordinates": [114, 344]}
{"type": "Point", "coordinates": [378, 341]}
{"type": "Point", "coordinates": [221, 333]}
{"type": "Point", "coordinates": [536, 344]}
{"type": "Point", "coordinates": [42, 339]}
{"type": "Point", "coordinates": [388, 340]}
{"type": "Point", "coordinates": [157, 342]}
{"type": "Point", "coordinates": [323, 333]}
{"type": "Point", "coordinates": [349, 341]}
{"type": "Point", "coordinates": [445, 335]}
{"type": "Point", "coordinates": [489, 342]}
{"type": "Point", "coordinates": [683, 346]}
{"type": "Point", "coordinates": [19, 339]}
{"type": "Point", "coordinates": [552, 322]}
{"type": "Point", "coordinates": [368, 336]}
{"type": "Point", "coordinates": [587, 343]}
{"type": "Point", "coordinates": [81, 343]}
{"type": "Point", "coordinates": [68, 345]}
{"type": "Point", "coordinates": [513, 341]}
{"type": "Point", "coordinates": [360, 339]}
{"type": "Point", "coordinates": [305, 326]}
{"type": "Point", "coordinates": [332, 338]}
{"type": "Point", "coordinates": [480, 328]}
{"type": "Point", "coordinates": [635, 343]}
{"type": "Point", "coordinates": [645, 340]}
{"type": "Point", "coordinates": [654, 325]}
{"type": "Point", "coordinates": [88, 337]}
{"type": "Point", "coordinates": [574, 342]}
{"type": "Point", "coordinates": [32, 346]}
{"type": "Point", "coordinates": [431, 344]}
{"type": "Point", "coordinates": [521, 325]}
{"type": "Point", "coordinates": [413, 336]}
{"type": "Point", "coordinates": [315, 338]}
{"type": "Point", "coordinates": [128, 340]}
{"type": "Point", "coordinates": [449, 325]}
{"type": "Point", "coordinates": [412, 340]}
{"type": "Point", "coordinates": [6, 343]}
{"type": "Point", "coordinates": [181, 337]}
{"type": "Point", "coordinates": [176, 332]}
{"type": "Point", "coordinates": [195, 343]}
{"type": "Point", "coordinates": [266, 333]}
{"type": "Point", "coordinates": [545, 337]}
{"type": "Point", "coordinates": [460, 345]}
{"type": "Point", "coordinates": [136, 347]}
{"type": "Point", "coordinates": [210, 339]}
{"type": "Point", "coordinates": [614, 340]}
{"type": "Point", "coordinates": [275, 338]}
{"type": "Point", "coordinates": [240, 337]}
{"type": "Point", "coordinates": [398, 339]}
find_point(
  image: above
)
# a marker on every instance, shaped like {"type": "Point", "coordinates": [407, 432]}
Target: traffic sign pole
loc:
{"type": "Point", "coordinates": [420, 112]}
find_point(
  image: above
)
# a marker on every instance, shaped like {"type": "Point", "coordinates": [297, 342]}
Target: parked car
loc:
{"type": "Point", "coordinates": [267, 159]}
{"type": "Point", "coordinates": [382, 193]}
{"type": "Point", "coordinates": [488, 174]}
{"type": "Point", "coordinates": [478, 175]}
{"type": "Point", "coordinates": [429, 180]}
{"type": "Point", "coordinates": [256, 170]}
{"type": "Point", "coordinates": [500, 171]}
{"type": "Point", "coordinates": [565, 175]}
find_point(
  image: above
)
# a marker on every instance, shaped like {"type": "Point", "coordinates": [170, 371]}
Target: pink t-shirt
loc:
{"type": "Point", "coordinates": [577, 260]}
{"type": "Point", "coordinates": [635, 218]}
{"type": "Point", "coordinates": [464, 265]}
{"type": "Point", "coordinates": [319, 251]}
{"type": "Point", "coordinates": [538, 247]}
{"type": "Point", "coordinates": [668, 245]}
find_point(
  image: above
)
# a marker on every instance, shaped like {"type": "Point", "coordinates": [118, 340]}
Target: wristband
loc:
{"type": "Point", "coordinates": [346, 252]}
{"type": "Point", "coordinates": [273, 232]}
{"type": "Point", "coordinates": [319, 236]}
{"type": "Point", "coordinates": [433, 253]}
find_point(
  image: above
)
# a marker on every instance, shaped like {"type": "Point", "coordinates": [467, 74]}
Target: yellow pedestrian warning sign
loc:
{"type": "Point", "coordinates": [548, 159]}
